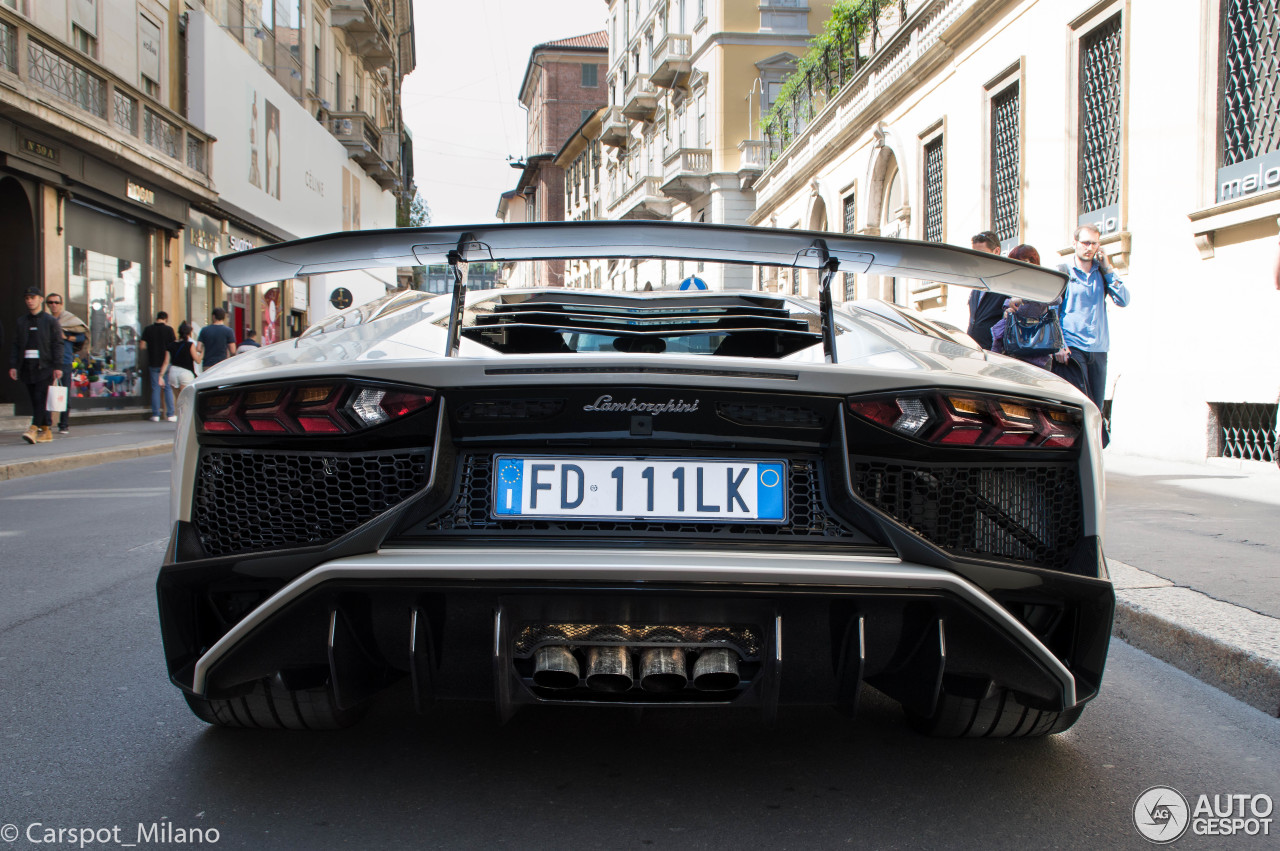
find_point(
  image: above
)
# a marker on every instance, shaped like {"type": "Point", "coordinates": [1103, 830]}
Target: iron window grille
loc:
{"type": "Point", "coordinates": [1099, 109]}
{"type": "Point", "coordinates": [124, 111]}
{"type": "Point", "coordinates": [65, 80]}
{"type": "Point", "coordinates": [8, 47]}
{"type": "Point", "coordinates": [1250, 105]}
{"type": "Point", "coordinates": [1005, 165]}
{"type": "Point", "coordinates": [196, 155]}
{"type": "Point", "coordinates": [933, 191]}
{"type": "Point", "coordinates": [1246, 430]}
{"type": "Point", "coordinates": [160, 134]}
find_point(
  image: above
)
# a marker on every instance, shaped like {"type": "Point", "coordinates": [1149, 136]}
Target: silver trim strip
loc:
{"type": "Point", "coordinates": [639, 566]}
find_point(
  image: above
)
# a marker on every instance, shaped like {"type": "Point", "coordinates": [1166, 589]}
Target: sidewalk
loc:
{"type": "Point", "coordinates": [1224, 633]}
{"type": "Point", "coordinates": [123, 435]}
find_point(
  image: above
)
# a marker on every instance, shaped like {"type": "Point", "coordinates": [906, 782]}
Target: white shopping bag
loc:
{"type": "Point", "coordinates": [57, 398]}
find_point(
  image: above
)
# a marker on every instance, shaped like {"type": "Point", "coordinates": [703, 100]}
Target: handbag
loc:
{"type": "Point", "coordinates": [1026, 338]}
{"type": "Point", "coordinates": [57, 398]}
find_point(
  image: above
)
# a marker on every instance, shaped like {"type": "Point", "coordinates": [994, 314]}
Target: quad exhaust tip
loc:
{"type": "Point", "coordinates": [716, 670]}
{"type": "Point", "coordinates": [556, 667]}
{"type": "Point", "coordinates": [662, 669]}
{"type": "Point", "coordinates": [609, 669]}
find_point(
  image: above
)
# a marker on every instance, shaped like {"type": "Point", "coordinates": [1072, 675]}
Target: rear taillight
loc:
{"type": "Point", "coordinates": [313, 408]}
{"type": "Point", "coordinates": [972, 419]}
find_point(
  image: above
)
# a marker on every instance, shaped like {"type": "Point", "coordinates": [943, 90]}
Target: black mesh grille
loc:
{"type": "Point", "coordinates": [1028, 513]}
{"type": "Point", "coordinates": [770, 415]}
{"type": "Point", "coordinates": [1251, 79]}
{"type": "Point", "coordinates": [1246, 430]}
{"type": "Point", "coordinates": [1100, 117]}
{"type": "Point", "coordinates": [933, 191]}
{"type": "Point", "coordinates": [1005, 163]}
{"type": "Point", "coordinates": [470, 513]}
{"type": "Point", "coordinates": [248, 500]}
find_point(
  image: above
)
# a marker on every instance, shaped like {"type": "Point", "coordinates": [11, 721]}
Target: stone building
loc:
{"type": "Point", "coordinates": [1158, 121]}
{"type": "Point", "coordinates": [563, 85]}
{"type": "Point", "coordinates": [139, 139]}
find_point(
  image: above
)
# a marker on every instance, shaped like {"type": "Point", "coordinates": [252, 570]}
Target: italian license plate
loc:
{"type": "Point", "coordinates": [640, 488]}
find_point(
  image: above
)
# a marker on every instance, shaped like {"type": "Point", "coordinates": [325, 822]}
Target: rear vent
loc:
{"type": "Point", "coordinates": [1027, 513]}
{"type": "Point", "coordinates": [500, 410]}
{"type": "Point", "coordinates": [770, 415]}
{"type": "Point", "coordinates": [250, 500]}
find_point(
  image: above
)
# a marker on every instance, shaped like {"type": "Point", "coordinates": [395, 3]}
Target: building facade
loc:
{"type": "Point", "coordinates": [1031, 117]}
{"type": "Point", "coordinates": [139, 139]}
{"type": "Point", "coordinates": [689, 81]}
{"type": "Point", "coordinates": [563, 86]}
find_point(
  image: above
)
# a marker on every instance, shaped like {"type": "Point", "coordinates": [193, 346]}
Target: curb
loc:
{"type": "Point", "coordinates": [58, 463]}
{"type": "Point", "coordinates": [1233, 649]}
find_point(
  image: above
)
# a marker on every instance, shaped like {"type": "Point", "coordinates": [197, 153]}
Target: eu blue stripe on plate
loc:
{"type": "Point", "coordinates": [770, 492]}
{"type": "Point", "coordinates": [510, 486]}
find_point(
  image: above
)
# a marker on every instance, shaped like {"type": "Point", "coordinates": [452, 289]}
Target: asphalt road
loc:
{"type": "Point", "coordinates": [1225, 546]}
{"type": "Point", "coordinates": [93, 736]}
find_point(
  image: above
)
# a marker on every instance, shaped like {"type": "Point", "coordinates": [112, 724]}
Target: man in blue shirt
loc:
{"type": "Point", "coordinates": [1090, 279]}
{"type": "Point", "coordinates": [216, 342]}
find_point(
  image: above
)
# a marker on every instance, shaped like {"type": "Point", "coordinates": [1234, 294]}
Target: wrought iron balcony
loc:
{"type": "Point", "coordinates": [90, 94]}
{"type": "Point", "coordinates": [644, 200]}
{"type": "Point", "coordinates": [614, 130]}
{"type": "Point", "coordinates": [687, 174]}
{"type": "Point", "coordinates": [376, 150]}
{"type": "Point", "coordinates": [639, 100]}
{"type": "Point", "coordinates": [368, 30]}
{"type": "Point", "coordinates": [672, 61]}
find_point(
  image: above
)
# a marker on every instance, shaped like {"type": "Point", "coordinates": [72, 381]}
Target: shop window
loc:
{"type": "Point", "coordinates": [1099, 114]}
{"type": "Point", "coordinates": [197, 298]}
{"type": "Point", "coordinates": [105, 292]}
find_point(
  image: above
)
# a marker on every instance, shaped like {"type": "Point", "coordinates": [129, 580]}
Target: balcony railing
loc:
{"type": "Point", "coordinates": [672, 60]}
{"type": "Point", "coordinates": [614, 130]}
{"type": "Point", "coordinates": [751, 163]}
{"type": "Point", "coordinates": [686, 173]}
{"type": "Point", "coordinates": [66, 80]}
{"type": "Point", "coordinates": [8, 47]}
{"type": "Point", "coordinates": [639, 100]}
{"type": "Point", "coordinates": [377, 150]}
{"type": "Point", "coordinates": [120, 111]}
{"type": "Point", "coordinates": [844, 58]}
{"type": "Point", "coordinates": [368, 30]}
{"type": "Point", "coordinates": [643, 200]}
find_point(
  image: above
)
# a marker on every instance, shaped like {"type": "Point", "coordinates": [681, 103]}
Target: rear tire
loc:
{"type": "Point", "coordinates": [997, 715]}
{"type": "Point", "coordinates": [272, 706]}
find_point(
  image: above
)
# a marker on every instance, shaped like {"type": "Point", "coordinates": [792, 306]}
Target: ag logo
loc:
{"type": "Point", "coordinates": [1161, 814]}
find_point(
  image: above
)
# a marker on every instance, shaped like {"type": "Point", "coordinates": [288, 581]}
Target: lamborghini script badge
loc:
{"type": "Point", "coordinates": [671, 406]}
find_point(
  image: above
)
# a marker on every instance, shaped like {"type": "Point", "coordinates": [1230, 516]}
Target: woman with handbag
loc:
{"type": "Point", "coordinates": [1029, 330]}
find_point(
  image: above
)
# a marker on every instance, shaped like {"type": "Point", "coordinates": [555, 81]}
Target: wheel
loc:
{"type": "Point", "coordinates": [997, 714]}
{"type": "Point", "coordinates": [272, 706]}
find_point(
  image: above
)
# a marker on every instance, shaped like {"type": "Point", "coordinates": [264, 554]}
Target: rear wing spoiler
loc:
{"type": "Point", "coordinates": [930, 261]}
{"type": "Point", "coordinates": [825, 252]}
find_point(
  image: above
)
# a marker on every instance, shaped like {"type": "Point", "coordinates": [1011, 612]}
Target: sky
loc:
{"type": "Point", "coordinates": [461, 103]}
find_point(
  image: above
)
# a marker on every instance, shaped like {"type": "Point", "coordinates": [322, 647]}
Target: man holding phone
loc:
{"type": "Point", "coordinates": [1090, 279]}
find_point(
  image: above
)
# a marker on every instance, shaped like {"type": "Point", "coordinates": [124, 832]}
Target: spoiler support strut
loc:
{"type": "Point", "coordinates": [829, 266]}
{"type": "Point", "coordinates": [457, 260]}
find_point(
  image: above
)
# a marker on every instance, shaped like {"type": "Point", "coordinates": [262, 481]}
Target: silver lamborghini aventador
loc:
{"type": "Point", "coordinates": [707, 498]}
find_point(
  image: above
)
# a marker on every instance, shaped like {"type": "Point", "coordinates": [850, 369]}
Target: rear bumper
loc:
{"type": "Point", "coordinates": [831, 618]}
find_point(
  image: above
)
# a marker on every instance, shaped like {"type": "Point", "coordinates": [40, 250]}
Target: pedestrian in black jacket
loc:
{"type": "Point", "coordinates": [985, 308]}
{"type": "Point", "coordinates": [36, 359]}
